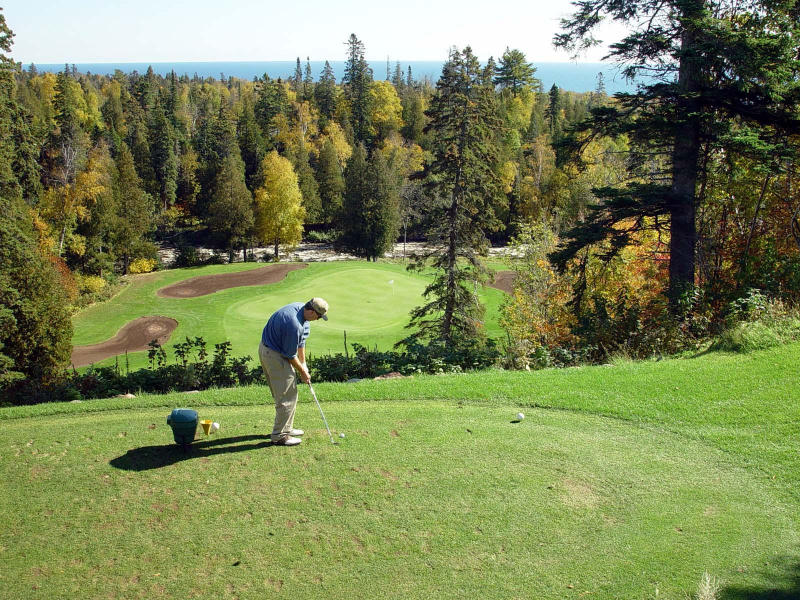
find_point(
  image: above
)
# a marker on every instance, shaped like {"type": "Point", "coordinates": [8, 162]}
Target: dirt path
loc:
{"type": "Point", "coordinates": [133, 337]}
{"type": "Point", "coordinates": [208, 284]}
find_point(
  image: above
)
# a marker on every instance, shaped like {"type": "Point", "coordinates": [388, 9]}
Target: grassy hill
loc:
{"type": "Point", "coordinates": [623, 481]}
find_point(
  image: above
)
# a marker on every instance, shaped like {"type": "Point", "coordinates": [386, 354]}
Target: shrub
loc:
{"type": "Point", "coordinates": [320, 236]}
{"type": "Point", "coordinates": [143, 265]}
{"type": "Point", "coordinates": [187, 256]}
{"type": "Point", "coordinates": [755, 322]}
{"type": "Point", "coordinates": [90, 284]}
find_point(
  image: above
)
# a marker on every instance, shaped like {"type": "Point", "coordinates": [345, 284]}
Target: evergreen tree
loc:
{"type": "Point", "coordinates": [308, 185]}
{"type": "Point", "coordinates": [351, 221]}
{"type": "Point", "coordinates": [308, 83]}
{"type": "Point", "coordinates": [135, 210]}
{"type": "Point", "coordinates": [325, 94]}
{"type": "Point", "coordinates": [297, 80]}
{"type": "Point", "coordinates": [35, 325]}
{"type": "Point", "coordinates": [231, 209]}
{"type": "Point", "coordinates": [97, 229]}
{"type": "Point", "coordinates": [726, 74]}
{"type": "Point", "coordinates": [514, 72]}
{"type": "Point", "coordinates": [271, 101]}
{"type": "Point", "coordinates": [163, 155]}
{"type": "Point", "coordinates": [382, 209]}
{"type": "Point", "coordinates": [369, 220]}
{"type": "Point", "coordinates": [331, 182]}
{"type": "Point", "coordinates": [413, 117]}
{"type": "Point", "coordinates": [19, 170]}
{"type": "Point", "coordinates": [553, 113]}
{"type": "Point", "coordinates": [356, 82]}
{"type": "Point", "coordinates": [462, 183]}
{"type": "Point", "coordinates": [397, 78]}
{"type": "Point", "coordinates": [251, 143]}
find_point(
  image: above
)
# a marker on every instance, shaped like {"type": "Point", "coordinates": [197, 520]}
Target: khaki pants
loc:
{"type": "Point", "coordinates": [283, 385]}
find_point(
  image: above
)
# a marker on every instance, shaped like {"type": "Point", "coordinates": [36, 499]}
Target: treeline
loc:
{"type": "Point", "coordinates": [132, 159]}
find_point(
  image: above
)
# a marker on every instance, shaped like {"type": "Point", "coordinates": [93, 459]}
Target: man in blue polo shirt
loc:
{"type": "Point", "coordinates": [282, 352]}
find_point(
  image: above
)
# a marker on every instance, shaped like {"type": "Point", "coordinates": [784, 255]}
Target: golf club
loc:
{"type": "Point", "coordinates": [324, 420]}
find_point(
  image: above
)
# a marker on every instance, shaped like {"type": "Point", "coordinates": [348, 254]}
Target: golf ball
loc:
{"type": "Point", "coordinates": [215, 426]}
{"type": "Point", "coordinates": [341, 435]}
{"type": "Point", "coordinates": [520, 416]}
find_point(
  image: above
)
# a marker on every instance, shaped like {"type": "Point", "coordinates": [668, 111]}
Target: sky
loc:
{"type": "Point", "coordinates": [80, 31]}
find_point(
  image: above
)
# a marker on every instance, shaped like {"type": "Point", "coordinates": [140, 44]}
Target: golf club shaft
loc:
{"type": "Point", "coordinates": [324, 420]}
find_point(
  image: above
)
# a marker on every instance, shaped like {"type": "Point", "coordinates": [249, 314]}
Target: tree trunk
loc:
{"type": "Point", "coordinates": [685, 155]}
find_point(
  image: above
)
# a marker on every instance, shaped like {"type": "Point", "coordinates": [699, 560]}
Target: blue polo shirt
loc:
{"type": "Point", "coordinates": [286, 330]}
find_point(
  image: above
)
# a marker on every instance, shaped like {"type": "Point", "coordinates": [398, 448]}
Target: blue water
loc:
{"type": "Point", "coordinates": [575, 77]}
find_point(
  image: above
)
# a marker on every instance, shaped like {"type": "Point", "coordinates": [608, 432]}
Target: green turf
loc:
{"type": "Point", "coordinates": [369, 301]}
{"type": "Point", "coordinates": [626, 481]}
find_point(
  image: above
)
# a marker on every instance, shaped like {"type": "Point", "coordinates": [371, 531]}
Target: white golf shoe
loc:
{"type": "Point", "coordinates": [287, 440]}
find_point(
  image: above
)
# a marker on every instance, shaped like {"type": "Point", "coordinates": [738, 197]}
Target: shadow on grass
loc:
{"type": "Point", "coordinates": [156, 457]}
{"type": "Point", "coordinates": [787, 585]}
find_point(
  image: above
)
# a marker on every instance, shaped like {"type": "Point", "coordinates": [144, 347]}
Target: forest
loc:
{"type": "Point", "coordinates": [640, 221]}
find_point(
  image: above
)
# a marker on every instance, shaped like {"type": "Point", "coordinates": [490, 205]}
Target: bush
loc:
{"type": "Point", "coordinates": [143, 265]}
{"type": "Point", "coordinates": [416, 358]}
{"type": "Point", "coordinates": [755, 322]}
{"type": "Point", "coordinates": [187, 256]}
{"type": "Point", "coordinates": [90, 284]}
{"type": "Point", "coordinates": [320, 236]}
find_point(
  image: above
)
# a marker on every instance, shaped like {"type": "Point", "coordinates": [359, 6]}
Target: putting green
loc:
{"type": "Point", "coordinates": [371, 304]}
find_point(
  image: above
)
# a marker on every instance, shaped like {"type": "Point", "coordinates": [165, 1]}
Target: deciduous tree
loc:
{"type": "Point", "coordinates": [279, 204]}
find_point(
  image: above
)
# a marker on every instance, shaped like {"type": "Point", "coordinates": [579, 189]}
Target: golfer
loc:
{"type": "Point", "coordinates": [282, 351]}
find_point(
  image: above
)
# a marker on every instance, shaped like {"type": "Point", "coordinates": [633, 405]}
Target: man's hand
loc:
{"type": "Point", "coordinates": [301, 369]}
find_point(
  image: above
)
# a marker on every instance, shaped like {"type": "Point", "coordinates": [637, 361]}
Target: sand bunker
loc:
{"type": "Point", "coordinates": [504, 281]}
{"type": "Point", "coordinates": [208, 284]}
{"type": "Point", "coordinates": [133, 337]}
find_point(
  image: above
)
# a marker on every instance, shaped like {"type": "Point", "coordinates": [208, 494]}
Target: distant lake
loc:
{"type": "Point", "coordinates": [575, 77]}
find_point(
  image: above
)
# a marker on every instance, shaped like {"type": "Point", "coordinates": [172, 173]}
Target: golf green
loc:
{"type": "Point", "coordinates": [369, 303]}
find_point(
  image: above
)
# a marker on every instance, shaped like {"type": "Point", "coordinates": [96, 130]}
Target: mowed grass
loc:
{"type": "Point", "coordinates": [627, 481]}
{"type": "Point", "coordinates": [371, 302]}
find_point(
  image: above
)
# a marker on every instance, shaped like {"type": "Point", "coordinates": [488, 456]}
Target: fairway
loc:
{"type": "Point", "coordinates": [371, 302]}
{"type": "Point", "coordinates": [420, 500]}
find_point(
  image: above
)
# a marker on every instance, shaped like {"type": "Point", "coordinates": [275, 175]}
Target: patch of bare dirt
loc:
{"type": "Point", "coordinates": [133, 337]}
{"type": "Point", "coordinates": [504, 281]}
{"type": "Point", "coordinates": [208, 284]}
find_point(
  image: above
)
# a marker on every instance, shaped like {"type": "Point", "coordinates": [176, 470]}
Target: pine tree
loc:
{"type": "Point", "coordinates": [369, 220]}
{"type": "Point", "coordinates": [351, 221]}
{"type": "Point", "coordinates": [726, 76]}
{"type": "Point", "coordinates": [462, 183]}
{"type": "Point", "coordinates": [135, 210]}
{"type": "Point", "coordinates": [35, 325]}
{"type": "Point", "coordinates": [271, 101]}
{"type": "Point", "coordinates": [164, 158]}
{"type": "Point", "coordinates": [331, 182]}
{"type": "Point", "coordinates": [251, 143]}
{"type": "Point", "coordinates": [308, 83]}
{"type": "Point", "coordinates": [382, 208]}
{"type": "Point", "coordinates": [356, 82]}
{"type": "Point", "coordinates": [553, 113]}
{"type": "Point", "coordinates": [231, 209]}
{"type": "Point", "coordinates": [325, 94]}
{"type": "Point", "coordinates": [514, 72]}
